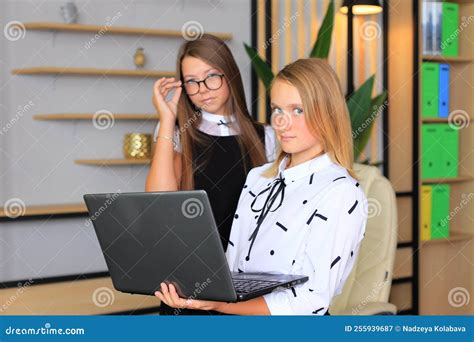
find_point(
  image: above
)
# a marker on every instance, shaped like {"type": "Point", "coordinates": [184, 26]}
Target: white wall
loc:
{"type": "Point", "coordinates": [37, 157]}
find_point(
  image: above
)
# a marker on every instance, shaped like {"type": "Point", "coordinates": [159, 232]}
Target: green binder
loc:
{"type": "Point", "coordinates": [450, 29]}
{"type": "Point", "coordinates": [430, 89]}
{"type": "Point", "coordinates": [449, 153]}
{"type": "Point", "coordinates": [430, 151]}
{"type": "Point", "coordinates": [439, 151]}
{"type": "Point", "coordinates": [440, 211]}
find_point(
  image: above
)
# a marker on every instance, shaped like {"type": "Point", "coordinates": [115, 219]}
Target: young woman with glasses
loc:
{"type": "Point", "coordinates": [215, 141]}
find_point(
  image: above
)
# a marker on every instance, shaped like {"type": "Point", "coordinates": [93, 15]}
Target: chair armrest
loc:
{"type": "Point", "coordinates": [372, 308]}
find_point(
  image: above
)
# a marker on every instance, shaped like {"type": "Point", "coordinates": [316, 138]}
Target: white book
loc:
{"type": "Point", "coordinates": [427, 29]}
{"type": "Point", "coordinates": [436, 27]}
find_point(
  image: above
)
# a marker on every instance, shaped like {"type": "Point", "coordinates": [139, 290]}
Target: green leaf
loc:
{"type": "Point", "coordinates": [361, 139]}
{"type": "Point", "coordinates": [359, 102]}
{"type": "Point", "coordinates": [263, 70]}
{"type": "Point", "coordinates": [323, 42]}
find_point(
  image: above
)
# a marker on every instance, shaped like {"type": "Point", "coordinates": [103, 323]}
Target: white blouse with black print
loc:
{"type": "Point", "coordinates": [309, 220]}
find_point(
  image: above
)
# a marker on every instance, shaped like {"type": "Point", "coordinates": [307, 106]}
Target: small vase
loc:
{"type": "Point", "coordinates": [137, 146]}
{"type": "Point", "coordinates": [69, 12]}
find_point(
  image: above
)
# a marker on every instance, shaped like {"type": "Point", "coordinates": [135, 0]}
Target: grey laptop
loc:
{"type": "Point", "coordinates": [153, 237]}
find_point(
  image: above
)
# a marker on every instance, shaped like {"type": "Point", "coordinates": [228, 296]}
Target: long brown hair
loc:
{"type": "Point", "coordinates": [215, 52]}
{"type": "Point", "coordinates": [324, 108]}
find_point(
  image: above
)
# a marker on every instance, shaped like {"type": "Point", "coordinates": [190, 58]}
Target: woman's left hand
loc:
{"type": "Point", "coordinates": [170, 297]}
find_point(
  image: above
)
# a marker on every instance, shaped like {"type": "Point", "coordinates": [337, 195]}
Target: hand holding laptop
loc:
{"type": "Point", "coordinates": [170, 297]}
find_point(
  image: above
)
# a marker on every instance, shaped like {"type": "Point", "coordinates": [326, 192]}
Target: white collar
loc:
{"type": "Point", "coordinates": [217, 117]}
{"type": "Point", "coordinates": [304, 169]}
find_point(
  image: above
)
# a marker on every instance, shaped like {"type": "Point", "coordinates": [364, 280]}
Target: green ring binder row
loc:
{"type": "Point", "coordinates": [440, 26]}
{"type": "Point", "coordinates": [435, 211]}
{"type": "Point", "coordinates": [435, 90]}
{"type": "Point", "coordinates": [440, 151]}
{"type": "Point", "coordinates": [440, 155]}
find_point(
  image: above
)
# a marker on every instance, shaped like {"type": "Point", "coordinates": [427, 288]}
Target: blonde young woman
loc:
{"type": "Point", "coordinates": [216, 141]}
{"type": "Point", "coordinates": [303, 214]}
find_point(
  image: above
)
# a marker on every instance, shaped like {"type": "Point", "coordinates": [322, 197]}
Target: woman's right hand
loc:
{"type": "Point", "coordinates": [161, 88]}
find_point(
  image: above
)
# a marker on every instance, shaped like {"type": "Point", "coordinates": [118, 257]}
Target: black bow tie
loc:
{"type": "Point", "coordinates": [223, 123]}
{"type": "Point", "coordinates": [277, 189]}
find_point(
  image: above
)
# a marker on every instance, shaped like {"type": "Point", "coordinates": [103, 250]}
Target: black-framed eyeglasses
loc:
{"type": "Point", "coordinates": [212, 82]}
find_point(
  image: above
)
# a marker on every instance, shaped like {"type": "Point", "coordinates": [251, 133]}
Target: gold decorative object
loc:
{"type": "Point", "coordinates": [139, 58]}
{"type": "Point", "coordinates": [137, 146]}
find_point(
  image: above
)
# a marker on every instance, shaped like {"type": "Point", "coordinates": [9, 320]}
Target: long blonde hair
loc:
{"type": "Point", "coordinates": [324, 108]}
{"type": "Point", "coordinates": [215, 52]}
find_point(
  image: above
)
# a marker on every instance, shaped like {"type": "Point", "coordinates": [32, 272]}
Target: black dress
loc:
{"type": "Point", "coordinates": [221, 173]}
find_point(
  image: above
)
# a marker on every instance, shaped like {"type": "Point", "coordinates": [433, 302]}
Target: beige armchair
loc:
{"type": "Point", "coordinates": [367, 288]}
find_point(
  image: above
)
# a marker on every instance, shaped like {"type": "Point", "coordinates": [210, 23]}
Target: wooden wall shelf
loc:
{"type": "Point", "coordinates": [443, 59]}
{"type": "Point", "coordinates": [454, 237]}
{"type": "Point", "coordinates": [82, 28]}
{"type": "Point", "coordinates": [459, 179]}
{"type": "Point", "coordinates": [88, 116]}
{"type": "Point", "coordinates": [91, 72]}
{"type": "Point", "coordinates": [438, 120]}
{"type": "Point", "coordinates": [52, 209]}
{"type": "Point", "coordinates": [112, 162]}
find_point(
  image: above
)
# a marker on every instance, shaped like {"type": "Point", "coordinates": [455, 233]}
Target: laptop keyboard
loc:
{"type": "Point", "coordinates": [250, 285]}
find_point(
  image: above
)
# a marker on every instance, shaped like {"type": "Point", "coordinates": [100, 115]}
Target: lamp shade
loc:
{"type": "Point", "coordinates": [361, 7]}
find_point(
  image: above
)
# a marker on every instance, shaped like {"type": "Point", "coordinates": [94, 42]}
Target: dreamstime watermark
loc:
{"type": "Point", "coordinates": [109, 23]}
{"type": "Point", "coordinates": [192, 30]}
{"type": "Point", "coordinates": [46, 330]}
{"type": "Point", "coordinates": [372, 208]}
{"type": "Point", "coordinates": [198, 288]}
{"type": "Point", "coordinates": [190, 121]}
{"type": "Point", "coordinates": [103, 119]}
{"type": "Point", "coordinates": [376, 110]}
{"type": "Point", "coordinates": [103, 207]}
{"type": "Point", "coordinates": [458, 296]}
{"type": "Point", "coordinates": [14, 207]}
{"type": "Point", "coordinates": [19, 113]}
{"type": "Point", "coordinates": [281, 121]}
{"type": "Point", "coordinates": [370, 30]}
{"type": "Point", "coordinates": [281, 29]}
{"type": "Point", "coordinates": [14, 30]}
{"type": "Point", "coordinates": [192, 208]}
{"type": "Point", "coordinates": [215, 3]}
{"type": "Point", "coordinates": [13, 298]}
{"type": "Point", "coordinates": [458, 119]}
{"type": "Point", "coordinates": [369, 298]}
{"type": "Point", "coordinates": [464, 202]}
{"type": "Point", "coordinates": [102, 297]}
{"type": "Point", "coordinates": [465, 22]}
